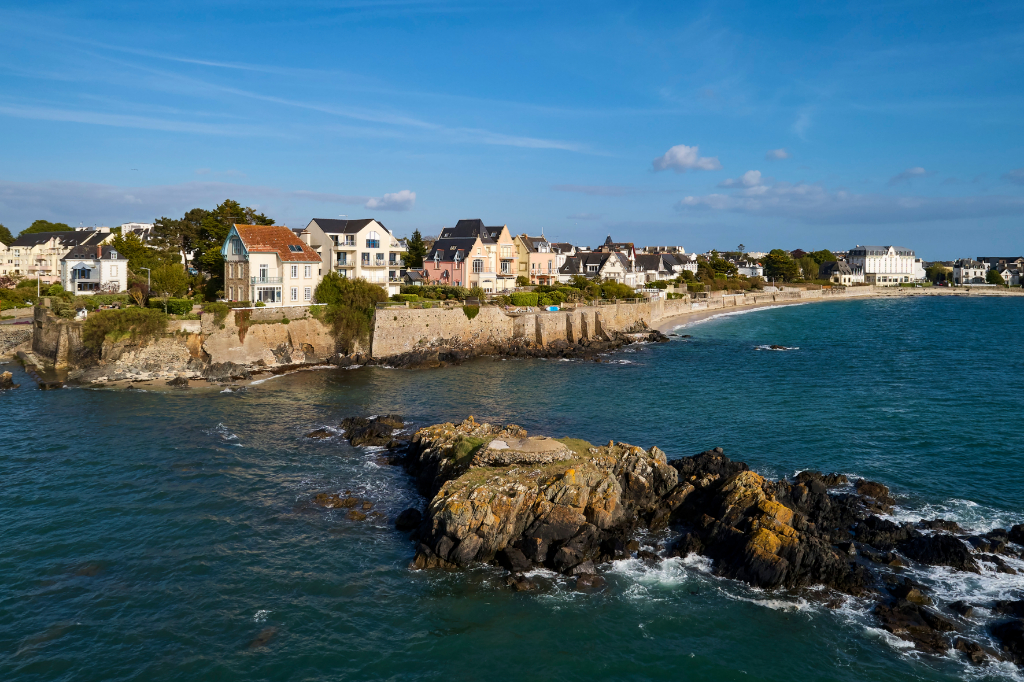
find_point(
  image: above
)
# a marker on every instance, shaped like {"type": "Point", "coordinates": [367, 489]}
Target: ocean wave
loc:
{"type": "Point", "coordinates": [294, 371]}
{"type": "Point", "coordinates": [733, 313]}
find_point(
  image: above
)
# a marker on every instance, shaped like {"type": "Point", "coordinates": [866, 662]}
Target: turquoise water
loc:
{"type": "Point", "coordinates": [154, 536]}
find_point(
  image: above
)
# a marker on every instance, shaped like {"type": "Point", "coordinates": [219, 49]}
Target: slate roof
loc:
{"type": "Point", "coordinates": [276, 239]}
{"type": "Point", "coordinates": [88, 252]}
{"type": "Point", "coordinates": [562, 247]}
{"type": "Point", "coordinates": [473, 227]}
{"type": "Point", "coordinates": [333, 225]}
{"type": "Point", "coordinates": [66, 238]}
{"type": "Point", "coordinates": [571, 266]}
{"type": "Point", "coordinates": [650, 261]}
{"type": "Point", "coordinates": [829, 268]}
{"type": "Point", "coordinates": [532, 243]}
{"type": "Point", "coordinates": [448, 248]}
{"type": "Point", "coordinates": [879, 250]}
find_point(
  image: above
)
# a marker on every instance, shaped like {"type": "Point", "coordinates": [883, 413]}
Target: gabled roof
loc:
{"type": "Point", "coordinates": [448, 248]}
{"type": "Point", "coordinates": [571, 266]}
{"type": "Point", "coordinates": [66, 238]}
{"type": "Point", "coordinates": [472, 227]}
{"type": "Point", "coordinates": [562, 247]}
{"type": "Point", "coordinates": [276, 239]}
{"type": "Point", "coordinates": [650, 261]}
{"type": "Point", "coordinates": [333, 225]}
{"type": "Point", "coordinates": [829, 268]}
{"type": "Point", "coordinates": [88, 252]}
{"type": "Point", "coordinates": [532, 244]}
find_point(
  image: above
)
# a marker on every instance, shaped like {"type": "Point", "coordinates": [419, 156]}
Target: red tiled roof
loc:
{"type": "Point", "coordinates": [275, 239]}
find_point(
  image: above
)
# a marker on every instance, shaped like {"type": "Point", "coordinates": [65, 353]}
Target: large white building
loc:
{"type": "Point", "coordinates": [39, 254]}
{"type": "Point", "coordinates": [360, 249]}
{"type": "Point", "coordinates": [968, 271]}
{"type": "Point", "coordinates": [94, 269]}
{"type": "Point", "coordinates": [886, 266]}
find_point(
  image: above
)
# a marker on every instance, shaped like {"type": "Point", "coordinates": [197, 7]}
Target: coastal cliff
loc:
{"type": "Point", "coordinates": [497, 495]}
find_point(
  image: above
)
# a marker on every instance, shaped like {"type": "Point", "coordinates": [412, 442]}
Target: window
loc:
{"type": "Point", "coordinates": [366, 259]}
{"type": "Point", "coordinates": [231, 293]}
{"type": "Point", "coordinates": [295, 271]}
{"type": "Point", "coordinates": [350, 240]}
{"type": "Point", "coordinates": [506, 267]}
{"type": "Point", "coordinates": [295, 248]}
{"type": "Point", "coordinates": [113, 271]}
{"type": "Point", "coordinates": [392, 258]}
{"type": "Point", "coordinates": [549, 266]}
{"type": "Point", "coordinates": [478, 265]}
{"type": "Point", "coordinates": [533, 266]}
{"type": "Point", "coordinates": [113, 254]}
{"type": "Point", "coordinates": [268, 294]}
{"type": "Point", "coordinates": [307, 294]}
{"type": "Point", "coordinates": [236, 246]}
{"type": "Point", "coordinates": [264, 272]}
{"type": "Point", "coordinates": [591, 268]}
{"type": "Point", "coordinates": [295, 294]}
{"type": "Point", "coordinates": [380, 259]}
{"type": "Point", "coordinates": [506, 251]}
{"type": "Point", "coordinates": [307, 271]}
{"type": "Point", "coordinates": [373, 240]}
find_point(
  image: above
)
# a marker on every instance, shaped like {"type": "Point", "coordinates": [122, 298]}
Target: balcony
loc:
{"type": "Point", "coordinates": [266, 280]}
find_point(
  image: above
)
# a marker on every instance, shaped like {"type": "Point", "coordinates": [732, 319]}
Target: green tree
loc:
{"type": "Point", "coordinates": [417, 251]}
{"type": "Point", "coordinates": [779, 265]}
{"type": "Point", "coordinates": [937, 272]}
{"type": "Point", "coordinates": [170, 279]}
{"type": "Point", "coordinates": [719, 265]}
{"type": "Point", "coordinates": [6, 238]}
{"type": "Point", "coordinates": [46, 226]}
{"type": "Point", "coordinates": [993, 277]}
{"type": "Point", "coordinates": [139, 255]}
{"type": "Point", "coordinates": [823, 256]}
{"type": "Point", "coordinates": [808, 267]}
{"type": "Point", "coordinates": [350, 308]}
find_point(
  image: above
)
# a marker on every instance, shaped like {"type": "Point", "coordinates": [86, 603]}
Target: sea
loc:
{"type": "Point", "coordinates": [169, 535]}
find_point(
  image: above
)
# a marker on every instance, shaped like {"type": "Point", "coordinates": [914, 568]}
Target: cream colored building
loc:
{"type": "Point", "coordinates": [360, 249]}
{"type": "Point", "coordinates": [884, 265]}
{"type": "Point", "coordinates": [269, 264]}
{"type": "Point", "coordinates": [38, 255]}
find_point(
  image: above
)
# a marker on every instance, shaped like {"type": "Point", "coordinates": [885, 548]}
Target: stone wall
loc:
{"type": "Point", "coordinates": [266, 340]}
{"type": "Point", "coordinates": [12, 336]}
{"type": "Point", "coordinates": [400, 330]}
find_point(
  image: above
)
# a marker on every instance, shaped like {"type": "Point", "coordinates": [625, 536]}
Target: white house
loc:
{"type": "Point", "coordinates": [1010, 275]}
{"type": "Point", "coordinates": [269, 263]}
{"type": "Point", "coordinates": [750, 269]}
{"type": "Point", "coordinates": [361, 249]}
{"type": "Point", "coordinates": [39, 254]}
{"type": "Point", "coordinates": [94, 269]}
{"type": "Point", "coordinates": [884, 265]}
{"type": "Point", "coordinates": [967, 271]}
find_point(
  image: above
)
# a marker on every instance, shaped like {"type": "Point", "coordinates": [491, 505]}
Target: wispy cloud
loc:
{"type": "Point", "coordinates": [598, 190]}
{"type": "Point", "coordinates": [750, 179]}
{"type": "Point", "coordinates": [36, 113]}
{"type": "Point", "coordinates": [814, 204]}
{"type": "Point", "coordinates": [398, 201]}
{"type": "Point", "coordinates": [1016, 176]}
{"type": "Point", "coordinates": [907, 175]}
{"type": "Point", "coordinates": [777, 154]}
{"type": "Point", "coordinates": [681, 158]}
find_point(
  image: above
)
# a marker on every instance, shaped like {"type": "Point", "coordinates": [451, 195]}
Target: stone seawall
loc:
{"type": "Point", "coordinates": [403, 330]}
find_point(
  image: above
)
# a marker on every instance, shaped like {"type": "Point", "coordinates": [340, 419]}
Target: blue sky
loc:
{"type": "Point", "coordinates": [811, 125]}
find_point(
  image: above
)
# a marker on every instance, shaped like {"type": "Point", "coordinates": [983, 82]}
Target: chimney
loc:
{"type": "Point", "coordinates": [99, 251]}
{"type": "Point", "coordinates": [306, 237]}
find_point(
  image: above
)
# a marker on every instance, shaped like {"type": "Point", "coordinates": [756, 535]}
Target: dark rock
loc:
{"type": "Point", "coordinates": [939, 550]}
{"type": "Point", "coordinates": [915, 623]}
{"type": "Point", "coordinates": [1001, 566]}
{"type": "Point", "coordinates": [687, 545]}
{"type": "Point", "coordinates": [1016, 534]}
{"type": "Point", "coordinates": [586, 568]}
{"type": "Point", "coordinates": [565, 559]}
{"type": "Point", "coordinates": [883, 534]}
{"type": "Point", "coordinates": [178, 382]}
{"type": "Point", "coordinates": [972, 650]}
{"type": "Point", "coordinates": [520, 584]}
{"type": "Point", "coordinates": [589, 582]}
{"type": "Point", "coordinates": [514, 560]}
{"type": "Point", "coordinates": [320, 434]}
{"type": "Point", "coordinates": [998, 535]}
{"type": "Point", "coordinates": [833, 480]}
{"type": "Point", "coordinates": [871, 489]}
{"type": "Point", "coordinates": [444, 547]}
{"type": "Point", "coordinates": [962, 608]}
{"type": "Point", "coordinates": [649, 558]}
{"type": "Point", "coordinates": [465, 552]}
{"type": "Point", "coordinates": [1011, 636]}
{"type": "Point", "coordinates": [409, 519]}
{"type": "Point", "coordinates": [354, 515]}
{"type": "Point", "coordinates": [263, 638]}
{"type": "Point", "coordinates": [1006, 607]}
{"type": "Point", "coordinates": [847, 548]}
{"type": "Point", "coordinates": [911, 592]}
{"type": "Point", "coordinates": [940, 524]}
{"type": "Point", "coordinates": [979, 543]}
{"type": "Point", "coordinates": [7, 381]}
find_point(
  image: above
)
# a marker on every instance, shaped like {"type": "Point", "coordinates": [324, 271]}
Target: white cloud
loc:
{"type": "Point", "coordinates": [814, 204]}
{"type": "Point", "coordinates": [777, 154]}
{"type": "Point", "coordinates": [398, 201]}
{"type": "Point", "coordinates": [752, 178]}
{"type": "Point", "coordinates": [908, 175]}
{"type": "Point", "coordinates": [682, 158]}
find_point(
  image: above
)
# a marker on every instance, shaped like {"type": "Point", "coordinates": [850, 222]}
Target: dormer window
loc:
{"type": "Point", "coordinates": [295, 248]}
{"type": "Point", "coordinates": [113, 254]}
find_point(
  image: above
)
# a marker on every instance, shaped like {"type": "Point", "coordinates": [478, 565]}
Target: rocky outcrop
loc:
{"type": "Point", "coordinates": [7, 381]}
{"type": "Point", "coordinates": [500, 496]}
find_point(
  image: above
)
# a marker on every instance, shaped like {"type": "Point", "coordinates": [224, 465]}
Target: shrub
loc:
{"type": "Point", "coordinates": [616, 290]}
{"type": "Point", "coordinates": [471, 310]}
{"type": "Point", "coordinates": [175, 306]}
{"type": "Point", "coordinates": [219, 310]}
{"type": "Point", "coordinates": [260, 304]}
{"type": "Point", "coordinates": [350, 308]}
{"type": "Point", "coordinates": [545, 301]}
{"type": "Point", "coordinates": [522, 281]}
{"type": "Point", "coordinates": [522, 298]}
{"type": "Point", "coordinates": [405, 297]}
{"type": "Point", "coordinates": [139, 323]}
{"type": "Point", "coordinates": [657, 284]}
{"type": "Point", "coordinates": [55, 290]}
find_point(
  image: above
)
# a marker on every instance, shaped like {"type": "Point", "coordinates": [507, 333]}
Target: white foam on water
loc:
{"type": "Point", "coordinates": [777, 348]}
{"type": "Point", "coordinates": [353, 367]}
{"type": "Point", "coordinates": [733, 313]}
{"type": "Point", "coordinates": [973, 517]}
{"type": "Point", "coordinates": [261, 616]}
{"type": "Point", "coordinates": [294, 371]}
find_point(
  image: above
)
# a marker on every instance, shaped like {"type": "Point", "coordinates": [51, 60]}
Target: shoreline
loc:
{"type": "Point", "coordinates": [669, 324]}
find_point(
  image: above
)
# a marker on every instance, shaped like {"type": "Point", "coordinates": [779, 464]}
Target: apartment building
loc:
{"type": "Point", "coordinates": [472, 254]}
{"type": "Point", "coordinates": [968, 271]}
{"type": "Point", "coordinates": [884, 265]}
{"type": "Point", "coordinates": [539, 259]}
{"type": "Point", "coordinates": [39, 254]}
{"type": "Point", "coordinates": [361, 249]}
{"type": "Point", "coordinates": [270, 264]}
{"type": "Point", "coordinates": [94, 269]}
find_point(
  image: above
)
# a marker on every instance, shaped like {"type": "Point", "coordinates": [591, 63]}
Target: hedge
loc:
{"type": "Point", "coordinates": [175, 306]}
{"type": "Point", "coordinates": [522, 298]}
